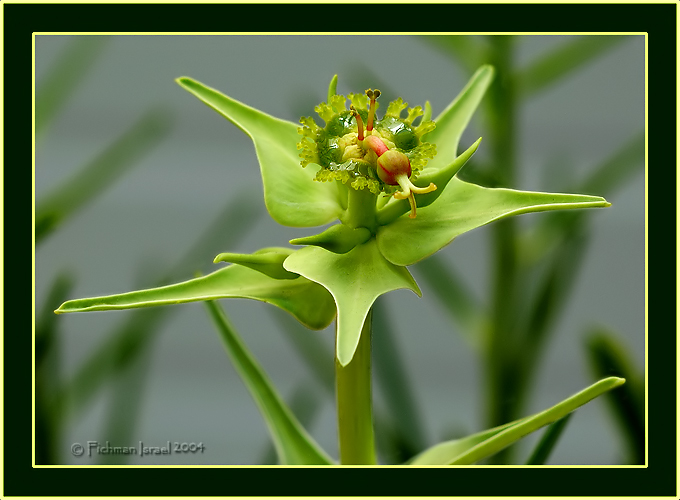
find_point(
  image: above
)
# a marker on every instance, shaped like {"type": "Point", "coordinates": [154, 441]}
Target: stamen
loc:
{"type": "Point", "coordinates": [372, 95]}
{"type": "Point", "coordinates": [412, 202]}
{"type": "Point", "coordinates": [428, 189]}
{"type": "Point", "coordinates": [407, 192]}
{"type": "Point", "coordinates": [360, 123]}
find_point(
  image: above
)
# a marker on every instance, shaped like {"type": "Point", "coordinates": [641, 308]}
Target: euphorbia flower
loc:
{"type": "Point", "coordinates": [366, 173]}
{"type": "Point", "coordinates": [388, 153]}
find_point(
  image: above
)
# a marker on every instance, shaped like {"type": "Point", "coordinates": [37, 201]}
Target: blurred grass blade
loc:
{"type": "Point", "coordinates": [124, 405]}
{"type": "Point", "coordinates": [554, 287]}
{"type": "Point", "coordinates": [455, 296]}
{"type": "Point", "coordinates": [608, 357]}
{"type": "Point", "coordinates": [501, 437]}
{"type": "Point", "coordinates": [612, 174]}
{"type": "Point", "coordinates": [45, 322]}
{"type": "Point", "coordinates": [562, 61]}
{"type": "Point", "coordinates": [318, 357]}
{"type": "Point", "coordinates": [548, 441]}
{"type": "Point", "coordinates": [100, 173]}
{"type": "Point", "coordinates": [48, 424]}
{"type": "Point", "coordinates": [139, 329]}
{"type": "Point", "coordinates": [395, 386]}
{"type": "Point", "coordinates": [294, 445]}
{"type": "Point", "coordinates": [305, 405]}
{"type": "Point", "coordinates": [56, 87]}
{"type": "Point", "coordinates": [535, 422]}
{"type": "Point", "coordinates": [464, 49]}
{"type": "Point", "coordinates": [115, 355]}
{"type": "Point", "coordinates": [616, 170]}
{"type": "Point", "coordinates": [441, 453]}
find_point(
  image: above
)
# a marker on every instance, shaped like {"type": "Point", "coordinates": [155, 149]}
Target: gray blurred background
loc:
{"type": "Point", "coordinates": [149, 218]}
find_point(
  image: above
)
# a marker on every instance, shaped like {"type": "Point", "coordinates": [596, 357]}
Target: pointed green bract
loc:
{"type": "Point", "coordinates": [268, 261]}
{"type": "Point", "coordinates": [473, 448]}
{"type": "Point", "coordinates": [291, 197]}
{"type": "Point", "coordinates": [310, 303]}
{"type": "Point", "coordinates": [355, 279]}
{"type": "Point", "coordinates": [293, 444]}
{"type": "Point", "coordinates": [338, 238]}
{"type": "Point", "coordinates": [454, 119]}
{"type": "Point", "coordinates": [332, 87]}
{"type": "Point", "coordinates": [460, 208]}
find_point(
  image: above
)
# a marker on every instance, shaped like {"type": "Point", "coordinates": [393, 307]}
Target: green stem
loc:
{"type": "Point", "coordinates": [503, 382]}
{"type": "Point", "coordinates": [353, 388]}
{"type": "Point", "coordinates": [361, 210]}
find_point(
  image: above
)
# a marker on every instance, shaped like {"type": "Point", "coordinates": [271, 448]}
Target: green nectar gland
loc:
{"type": "Point", "coordinates": [358, 149]}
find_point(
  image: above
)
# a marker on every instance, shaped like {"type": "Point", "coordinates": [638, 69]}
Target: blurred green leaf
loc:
{"type": "Point", "coordinates": [548, 441]}
{"type": "Point", "coordinates": [464, 49]}
{"type": "Point", "coordinates": [612, 174]}
{"type": "Point", "coordinates": [553, 287]}
{"type": "Point", "coordinates": [56, 87]}
{"type": "Point", "coordinates": [396, 387]}
{"type": "Point", "coordinates": [608, 356]}
{"type": "Point", "coordinates": [562, 61]}
{"type": "Point", "coordinates": [293, 444]}
{"type": "Point", "coordinates": [456, 297]}
{"type": "Point", "coordinates": [54, 208]}
{"type": "Point", "coordinates": [618, 169]}
{"type": "Point", "coordinates": [48, 376]}
{"type": "Point", "coordinates": [305, 404]}
{"type": "Point", "coordinates": [124, 405]}
{"type": "Point", "coordinates": [443, 452]}
{"type": "Point", "coordinates": [139, 329]}
{"type": "Point", "coordinates": [318, 357]}
{"type": "Point", "coordinates": [471, 449]}
{"type": "Point", "coordinates": [45, 322]}
{"type": "Point", "coordinates": [115, 355]}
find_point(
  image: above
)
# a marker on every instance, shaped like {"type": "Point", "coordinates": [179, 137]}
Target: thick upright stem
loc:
{"type": "Point", "coordinates": [503, 382]}
{"type": "Point", "coordinates": [355, 419]}
{"type": "Point", "coordinates": [361, 209]}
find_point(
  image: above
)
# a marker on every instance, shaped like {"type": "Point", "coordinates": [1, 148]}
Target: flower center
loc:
{"type": "Point", "coordinates": [357, 148]}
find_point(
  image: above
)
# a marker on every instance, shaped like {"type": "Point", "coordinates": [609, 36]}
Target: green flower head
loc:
{"type": "Point", "coordinates": [379, 156]}
{"type": "Point", "coordinates": [360, 169]}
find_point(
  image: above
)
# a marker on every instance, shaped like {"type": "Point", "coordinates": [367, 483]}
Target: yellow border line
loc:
{"type": "Point", "coordinates": [317, 2]}
{"type": "Point", "coordinates": [339, 33]}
